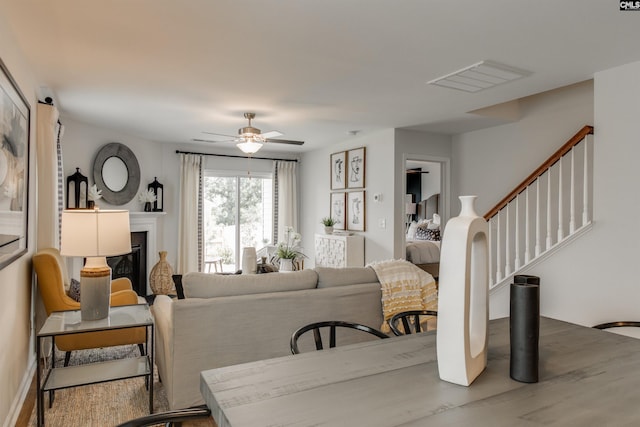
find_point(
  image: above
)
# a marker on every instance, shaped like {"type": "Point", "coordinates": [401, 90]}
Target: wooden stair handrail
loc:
{"type": "Point", "coordinates": [575, 139]}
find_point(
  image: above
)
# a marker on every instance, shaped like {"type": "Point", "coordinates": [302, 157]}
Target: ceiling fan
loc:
{"type": "Point", "coordinates": [251, 139]}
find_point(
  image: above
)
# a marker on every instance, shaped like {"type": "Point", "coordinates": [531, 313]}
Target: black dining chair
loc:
{"type": "Point", "coordinates": [620, 324]}
{"type": "Point", "coordinates": [410, 321]}
{"type": "Point", "coordinates": [332, 325]}
{"type": "Point", "coordinates": [170, 418]}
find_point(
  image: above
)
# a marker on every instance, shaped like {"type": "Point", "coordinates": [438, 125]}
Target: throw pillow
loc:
{"type": "Point", "coordinates": [411, 231]}
{"type": "Point", "coordinates": [74, 290]}
{"type": "Point", "coordinates": [425, 233]}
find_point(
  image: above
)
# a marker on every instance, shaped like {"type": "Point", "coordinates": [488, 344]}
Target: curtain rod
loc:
{"type": "Point", "coordinates": [236, 156]}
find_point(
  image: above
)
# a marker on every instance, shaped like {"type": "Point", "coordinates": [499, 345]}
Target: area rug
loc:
{"type": "Point", "coordinates": [105, 404]}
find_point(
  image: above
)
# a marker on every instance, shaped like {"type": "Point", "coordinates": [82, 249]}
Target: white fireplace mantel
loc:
{"type": "Point", "coordinates": [148, 222]}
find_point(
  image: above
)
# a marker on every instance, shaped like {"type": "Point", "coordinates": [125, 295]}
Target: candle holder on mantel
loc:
{"type": "Point", "coordinates": [158, 190]}
{"type": "Point", "coordinates": [75, 186]}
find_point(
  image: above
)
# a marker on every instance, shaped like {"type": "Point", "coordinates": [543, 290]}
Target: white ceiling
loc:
{"type": "Point", "coordinates": [166, 70]}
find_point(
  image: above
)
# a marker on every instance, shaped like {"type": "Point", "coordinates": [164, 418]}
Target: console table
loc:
{"type": "Point", "coordinates": [587, 377]}
{"type": "Point", "coordinates": [70, 322]}
{"type": "Point", "coordinates": [332, 250]}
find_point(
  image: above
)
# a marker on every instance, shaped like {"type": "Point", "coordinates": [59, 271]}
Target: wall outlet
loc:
{"type": "Point", "coordinates": [382, 223]}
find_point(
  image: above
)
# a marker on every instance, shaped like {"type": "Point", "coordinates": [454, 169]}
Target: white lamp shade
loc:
{"type": "Point", "coordinates": [95, 233]}
{"type": "Point", "coordinates": [410, 208]}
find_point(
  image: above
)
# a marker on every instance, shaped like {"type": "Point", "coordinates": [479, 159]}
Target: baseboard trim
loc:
{"type": "Point", "coordinates": [18, 402]}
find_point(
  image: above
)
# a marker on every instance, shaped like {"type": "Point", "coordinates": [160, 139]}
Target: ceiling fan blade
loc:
{"type": "Point", "coordinates": [220, 134]}
{"type": "Point", "coordinates": [272, 134]}
{"type": "Point", "coordinates": [285, 141]}
{"type": "Point", "coordinates": [211, 140]}
{"type": "Point", "coordinates": [416, 171]}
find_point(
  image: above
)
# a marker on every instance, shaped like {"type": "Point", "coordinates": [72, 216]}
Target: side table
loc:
{"type": "Point", "coordinates": [69, 322]}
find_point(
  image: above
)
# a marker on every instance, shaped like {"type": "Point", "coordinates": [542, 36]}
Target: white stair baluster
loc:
{"type": "Point", "coordinates": [498, 251]}
{"type": "Point", "coordinates": [527, 234]}
{"type": "Point", "coordinates": [572, 196]}
{"type": "Point", "coordinates": [517, 237]}
{"type": "Point", "coordinates": [560, 203]}
{"type": "Point", "coordinates": [549, 242]}
{"type": "Point", "coordinates": [537, 248]}
{"type": "Point", "coordinates": [585, 183]}
{"type": "Point", "coordinates": [507, 255]}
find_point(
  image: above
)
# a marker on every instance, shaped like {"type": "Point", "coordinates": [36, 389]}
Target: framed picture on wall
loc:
{"type": "Point", "coordinates": [356, 210]}
{"type": "Point", "coordinates": [338, 165]}
{"type": "Point", "coordinates": [14, 169]}
{"type": "Point", "coordinates": [356, 167]}
{"type": "Point", "coordinates": [338, 210]}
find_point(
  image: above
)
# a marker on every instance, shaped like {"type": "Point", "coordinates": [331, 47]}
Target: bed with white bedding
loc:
{"type": "Point", "coordinates": [421, 248]}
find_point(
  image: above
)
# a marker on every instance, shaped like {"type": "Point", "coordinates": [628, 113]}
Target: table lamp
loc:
{"type": "Point", "coordinates": [95, 234]}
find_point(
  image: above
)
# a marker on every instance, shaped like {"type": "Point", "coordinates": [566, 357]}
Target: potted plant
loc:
{"type": "Point", "coordinates": [288, 250]}
{"type": "Point", "coordinates": [328, 223]}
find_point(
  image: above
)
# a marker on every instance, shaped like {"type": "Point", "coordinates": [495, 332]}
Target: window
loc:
{"type": "Point", "coordinates": [238, 212]}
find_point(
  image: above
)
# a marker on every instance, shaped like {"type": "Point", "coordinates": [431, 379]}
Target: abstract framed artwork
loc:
{"type": "Point", "coordinates": [356, 167]}
{"type": "Point", "coordinates": [338, 165]}
{"type": "Point", "coordinates": [356, 210]}
{"type": "Point", "coordinates": [338, 210]}
{"type": "Point", "coordinates": [14, 169]}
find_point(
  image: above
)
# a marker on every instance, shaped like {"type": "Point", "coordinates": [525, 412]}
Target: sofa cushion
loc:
{"type": "Point", "coordinates": [204, 285]}
{"type": "Point", "coordinates": [329, 277]}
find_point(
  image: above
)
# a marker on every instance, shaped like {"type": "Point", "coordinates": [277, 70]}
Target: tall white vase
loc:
{"type": "Point", "coordinates": [463, 297]}
{"type": "Point", "coordinates": [249, 260]}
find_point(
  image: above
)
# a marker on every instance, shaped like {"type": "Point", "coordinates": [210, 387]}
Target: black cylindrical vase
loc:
{"type": "Point", "coordinates": [526, 278]}
{"type": "Point", "coordinates": [524, 328]}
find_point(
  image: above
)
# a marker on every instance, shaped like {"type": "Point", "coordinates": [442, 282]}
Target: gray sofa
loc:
{"type": "Point", "coordinates": [229, 319]}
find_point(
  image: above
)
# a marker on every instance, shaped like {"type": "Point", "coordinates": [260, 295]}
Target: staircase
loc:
{"type": "Point", "coordinates": [550, 208]}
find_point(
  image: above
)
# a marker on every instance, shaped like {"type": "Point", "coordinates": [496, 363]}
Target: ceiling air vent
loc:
{"type": "Point", "coordinates": [476, 77]}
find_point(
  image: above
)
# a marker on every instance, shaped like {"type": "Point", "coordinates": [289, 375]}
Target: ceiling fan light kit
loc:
{"type": "Point", "coordinates": [249, 147]}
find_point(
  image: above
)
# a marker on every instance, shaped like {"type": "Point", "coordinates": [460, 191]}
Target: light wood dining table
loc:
{"type": "Point", "coordinates": [588, 377]}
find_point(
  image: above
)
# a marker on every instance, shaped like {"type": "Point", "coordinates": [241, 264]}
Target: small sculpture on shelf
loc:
{"type": "Point", "coordinates": [93, 196]}
{"type": "Point", "coordinates": [146, 197]}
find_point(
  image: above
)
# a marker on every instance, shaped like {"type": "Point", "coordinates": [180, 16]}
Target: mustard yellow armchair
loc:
{"type": "Point", "coordinates": [52, 276]}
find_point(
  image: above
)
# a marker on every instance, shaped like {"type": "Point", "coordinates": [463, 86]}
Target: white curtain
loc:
{"type": "Point", "coordinates": [49, 174]}
{"type": "Point", "coordinates": [287, 194]}
{"type": "Point", "coordinates": [190, 217]}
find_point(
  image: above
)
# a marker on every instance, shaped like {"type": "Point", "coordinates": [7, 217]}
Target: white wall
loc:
{"type": "Point", "coordinates": [593, 281]}
{"type": "Point", "coordinates": [584, 282]}
{"type": "Point", "coordinates": [315, 190]}
{"type": "Point", "coordinates": [81, 143]}
{"type": "Point", "coordinates": [16, 336]}
{"type": "Point", "coordinates": [491, 162]}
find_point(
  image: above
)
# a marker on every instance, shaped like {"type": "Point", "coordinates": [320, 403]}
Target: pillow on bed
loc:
{"type": "Point", "coordinates": [411, 231]}
{"type": "Point", "coordinates": [423, 232]}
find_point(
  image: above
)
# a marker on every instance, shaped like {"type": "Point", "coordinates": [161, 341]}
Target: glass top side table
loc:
{"type": "Point", "coordinates": [69, 322]}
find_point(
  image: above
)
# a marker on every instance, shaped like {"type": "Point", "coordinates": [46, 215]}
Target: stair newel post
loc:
{"type": "Point", "coordinates": [498, 249]}
{"type": "Point", "coordinates": [585, 183]}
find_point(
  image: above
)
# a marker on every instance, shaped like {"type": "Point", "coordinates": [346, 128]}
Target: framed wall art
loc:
{"type": "Point", "coordinates": [14, 169]}
{"type": "Point", "coordinates": [338, 210]}
{"type": "Point", "coordinates": [356, 168]}
{"type": "Point", "coordinates": [356, 210]}
{"type": "Point", "coordinates": [338, 165]}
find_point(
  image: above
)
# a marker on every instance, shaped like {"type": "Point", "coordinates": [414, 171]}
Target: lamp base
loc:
{"type": "Point", "coordinates": [95, 292]}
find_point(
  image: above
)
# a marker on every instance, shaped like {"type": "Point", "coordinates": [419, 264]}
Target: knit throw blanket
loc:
{"type": "Point", "coordinates": [404, 287]}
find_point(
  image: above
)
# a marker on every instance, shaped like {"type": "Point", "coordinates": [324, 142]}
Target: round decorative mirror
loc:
{"type": "Point", "coordinates": [117, 173]}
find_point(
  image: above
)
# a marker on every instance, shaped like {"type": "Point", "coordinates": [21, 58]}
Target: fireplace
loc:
{"type": "Point", "coordinates": [134, 264]}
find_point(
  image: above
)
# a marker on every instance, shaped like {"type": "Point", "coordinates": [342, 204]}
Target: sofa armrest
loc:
{"type": "Point", "coordinates": [162, 310]}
